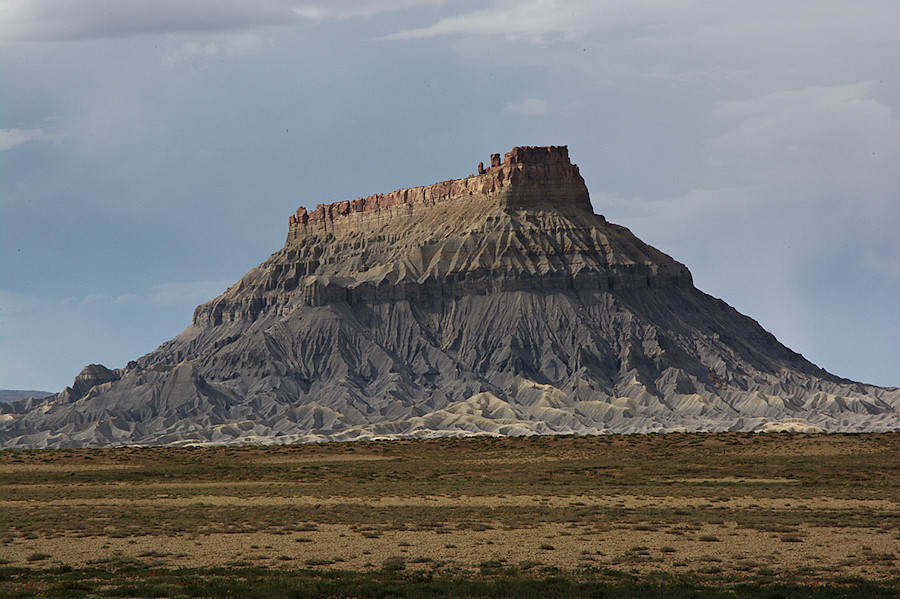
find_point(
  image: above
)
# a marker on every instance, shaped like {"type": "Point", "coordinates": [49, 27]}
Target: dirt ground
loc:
{"type": "Point", "coordinates": [733, 532]}
{"type": "Point", "coordinates": [709, 548]}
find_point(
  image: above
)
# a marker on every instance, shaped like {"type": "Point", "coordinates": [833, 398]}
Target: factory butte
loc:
{"type": "Point", "coordinates": [495, 304]}
{"type": "Point", "coordinates": [553, 160]}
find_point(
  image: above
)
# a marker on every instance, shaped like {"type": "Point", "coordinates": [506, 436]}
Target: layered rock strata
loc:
{"type": "Point", "coordinates": [524, 224]}
{"type": "Point", "coordinates": [528, 177]}
{"type": "Point", "coordinates": [494, 304]}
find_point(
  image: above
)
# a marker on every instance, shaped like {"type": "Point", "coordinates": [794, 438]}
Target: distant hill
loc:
{"type": "Point", "coordinates": [496, 304]}
{"type": "Point", "coordinates": [10, 395]}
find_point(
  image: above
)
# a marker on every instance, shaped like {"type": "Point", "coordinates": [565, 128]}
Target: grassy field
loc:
{"type": "Point", "coordinates": [675, 515]}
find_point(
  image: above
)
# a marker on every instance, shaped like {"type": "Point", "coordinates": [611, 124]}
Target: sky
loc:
{"type": "Point", "coordinates": [151, 151]}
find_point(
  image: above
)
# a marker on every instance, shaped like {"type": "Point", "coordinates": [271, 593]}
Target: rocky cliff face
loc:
{"type": "Point", "coordinates": [494, 304]}
{"type": "Point", "coordinates": [526, 224]}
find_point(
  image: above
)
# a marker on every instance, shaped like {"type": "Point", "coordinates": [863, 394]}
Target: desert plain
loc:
{"type": "Point", "coordinates": [719, 509]}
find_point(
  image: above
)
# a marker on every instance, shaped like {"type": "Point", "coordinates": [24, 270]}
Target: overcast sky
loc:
{"type": "Point", "coordinates": [152, 150]}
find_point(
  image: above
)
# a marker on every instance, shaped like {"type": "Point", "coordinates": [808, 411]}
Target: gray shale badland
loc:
{"type": "Point", "coordinates": [495, 304]}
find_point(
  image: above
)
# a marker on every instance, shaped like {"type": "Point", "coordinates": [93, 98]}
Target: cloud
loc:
{"type": "Point", "coordinates": [733, 37]}
{"type": "Point", "coordinates": [885, 262]}
{"type": "Point", "coordinates": [327, 10]}
{"type": "Point", "coordinates": [190, 50]}
{"type": "Point", "coordinates": [103, 299]}
{"type": "Point", "coordinates": [646, 21]}
{"type": "Point", "coordinates": [775, 24]}
{"type": "Point", "coordinates": [680, 76]}
{"type": "Point", "coordinates": [223, 46]}
{"type": "Point", "coordinates": [842, 122]}
{"type": "Point", "coordinates": [88, 19]}
{"type": "Point", "coordinates": [85, 19]}
{"type": "Point", "coordinates": [191, 292]}
{"type": "Point", "coordinates": [530, 19]}
{"type": "Point", "coordinates": [188, 293]}
{"type": "Point", "coordinates": [822, 148]}
{"type": "Point", "coordinates": [10, 138]}
{"type": "Point", "coordinates": [527, 107]}
{"type": "Point", "coordinates": [811, 178]}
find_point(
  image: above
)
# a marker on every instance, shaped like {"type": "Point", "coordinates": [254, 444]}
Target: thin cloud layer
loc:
{"type": "Point", "coordinates": [222, 46]}
{"type": "Point", "coordinates": [527, 107]}
{"type": "Point", "coordinates": [10, 138]}
{"type": "Point", "coordinates": [513, 19]}
{"type": "Point", "coordinates": [90, 19]}
{"type": "Point", "coordinates": [841, 122]}
{"type": "Point", "coordinates": [669, 23]}
{"type": "Point", "coordinates": [827, 147]}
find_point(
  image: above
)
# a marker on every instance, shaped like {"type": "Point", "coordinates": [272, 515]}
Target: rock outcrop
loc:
{"type": "Point", "coordinates": [528, 177]}
{"type": "Point", "coordinates": [494, 304]}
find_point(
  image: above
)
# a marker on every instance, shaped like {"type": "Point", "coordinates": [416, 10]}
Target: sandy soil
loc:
{"type": "Point", "coordinates": [492, 501]}
{"type": "Point", "coordinates": [677, 504]}
{"type": "Point", "coordinates": [724, 549]}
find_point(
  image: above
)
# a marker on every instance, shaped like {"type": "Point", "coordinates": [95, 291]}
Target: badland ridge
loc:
{"type": "Point", "coordinates": [498, 304]}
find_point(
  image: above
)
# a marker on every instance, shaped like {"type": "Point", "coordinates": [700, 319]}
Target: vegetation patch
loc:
{"type": "Point", "coordinates": [688, 513]}
{"type": "Point", "coordinates": [393, 580]}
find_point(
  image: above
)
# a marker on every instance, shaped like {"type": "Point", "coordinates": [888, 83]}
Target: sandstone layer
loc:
{"type": "Point", "coordinates": [494, 304]}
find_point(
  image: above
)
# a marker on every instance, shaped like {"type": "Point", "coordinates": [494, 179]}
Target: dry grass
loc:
{"type": "Point", "coordinates": [723, 507]}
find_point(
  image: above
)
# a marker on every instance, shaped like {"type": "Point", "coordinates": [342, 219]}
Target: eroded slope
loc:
{"type": "Point", "coordinates": [497, 304]}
